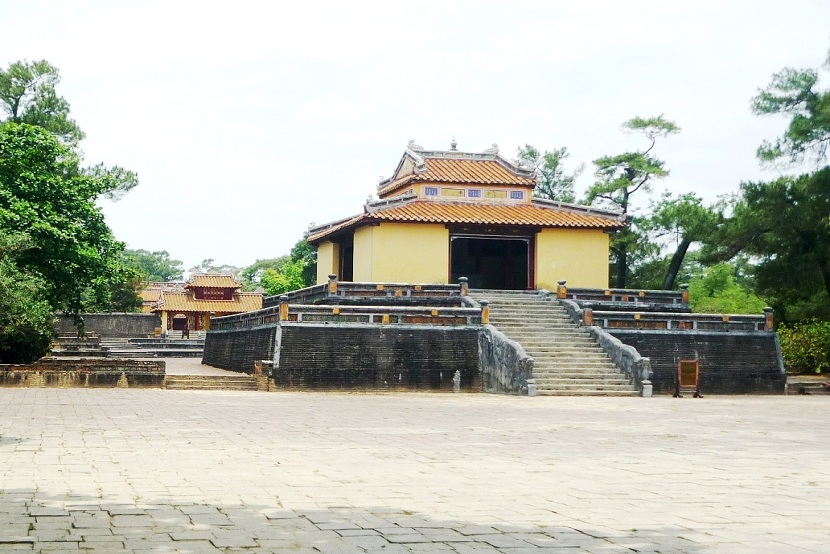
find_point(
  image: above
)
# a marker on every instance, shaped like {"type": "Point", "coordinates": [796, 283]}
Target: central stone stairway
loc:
{"type": "Point", "coordinates": [566, 360]}
{"type": "Point", "coordinates": [210, 382]}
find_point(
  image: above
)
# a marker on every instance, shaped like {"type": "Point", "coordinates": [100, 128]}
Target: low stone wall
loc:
{"type": "Point", "coordinates": [505, 367]}
{"type": "Point", "coordinates": [110, 373]}
{"type": "Point", "coordinates": [730, 362]}
{"type": "Point", "coordinates": [356, 356]}
{"type": "Point", "coordinates": [239, 349]}
{"type": "Point", "coordinates": [116, 325]}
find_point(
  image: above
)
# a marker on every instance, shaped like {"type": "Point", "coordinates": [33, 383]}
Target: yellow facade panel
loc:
{"type": "Point", "coordinates": [328, 260]}
{"type": "Point", "coordinates": [579, 256]}
{"type": "Point", "coordinates": [412, 253]}
{"type": "Point", "coordinates": [363, 254]}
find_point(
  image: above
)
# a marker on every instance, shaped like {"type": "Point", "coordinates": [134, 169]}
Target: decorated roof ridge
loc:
{"type": "Point", "coordinates": [580, 208]}
{"type": "Point", "coordinates": [326, 226]}
{"type": "Point", "coordinates": [419, 156]}
{"type": "Point", "coordinates": [217, 280]}
{"type": "Point", "coordinates": [376, 205]}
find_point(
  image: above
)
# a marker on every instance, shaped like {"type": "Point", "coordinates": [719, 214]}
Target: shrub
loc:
{"type": "Point", "coordinates": [805, 346]}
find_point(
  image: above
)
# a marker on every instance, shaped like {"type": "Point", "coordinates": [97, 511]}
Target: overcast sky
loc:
{"type": "Point", "coordinates": [247, 121]}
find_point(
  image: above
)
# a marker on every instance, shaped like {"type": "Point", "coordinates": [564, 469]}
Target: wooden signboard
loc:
{"type": "Point", "coordinates": [688, 378]}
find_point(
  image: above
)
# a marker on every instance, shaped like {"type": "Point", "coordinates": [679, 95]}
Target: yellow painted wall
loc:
{"type": "Point", "coordinates": [328, 261]}
{"type": "Point", "coordinates": [363, 252]}
{"type": "Point", "coordinates": [579, 256]}
{"type": "Point", "coordinates": [402, 253]}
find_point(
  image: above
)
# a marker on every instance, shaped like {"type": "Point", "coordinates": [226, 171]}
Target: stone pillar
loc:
{"type": "Point", "coordinates": [485, 312]}
{"type": "Point", "coordinates": [769, 319]}
{"type": "Point", "coordinates": [463, 283]}
{"type": "Point", "coordinates": [283, 308]}
{"type": "Point", "coordinates": [332, 284]}
{"type": "Point", "coordinates": [684, 293]}
{"type": "Point", "coordinates": [587, 317]}
{"type": "Point", "coordinates": [561, 289]}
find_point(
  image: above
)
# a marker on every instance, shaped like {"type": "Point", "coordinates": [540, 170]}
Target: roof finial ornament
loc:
{"type": "Point", "coordinates": [453, 144]}
{"type": "Point", "coordinates": [493, 149]}
{"type": "Point", "coordinates": [413, 146]}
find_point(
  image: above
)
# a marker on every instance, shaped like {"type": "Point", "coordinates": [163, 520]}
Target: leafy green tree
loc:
{"type": "Point", "coordinates": [252, 274]}
{"type": "Point", "coordinates": [26, 318]}
{"type": "Point", "coordinates": [286, 273]}
{"type": "Point", "coordinates": [552, 181]}
{"type": "Point", "coordinates": [785, 226]}
{"type": "Point", "coordinates": [45, 194]}
{"type": "Point", "coordinates": [27, 95]}
{"type": "Point", "coordinates": [306, 255]}
{"type": "Point", "coordinates": [623, 175]}
{"type": "Point", "coordinates": [793, 92]}
{"type": "Point", "coordinates": [209, 265]}
{"type": "Point", "coordinates": [685, 219]}
{"type": "Point", "coordinates": [154, 266]}
{"type": "Point", "coordinates": [716, 291]}
{"type": "Point", "coordinates": [289, 278]}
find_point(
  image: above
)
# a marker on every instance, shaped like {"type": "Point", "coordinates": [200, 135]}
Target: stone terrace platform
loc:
{"type": "Point", "coordinates": [120, 470]}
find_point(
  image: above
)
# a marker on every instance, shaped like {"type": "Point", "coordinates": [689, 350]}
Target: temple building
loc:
{"type": "Point", "coordinates": [447, 214]}
{"type": "Point", "coordinates": [191, 305]}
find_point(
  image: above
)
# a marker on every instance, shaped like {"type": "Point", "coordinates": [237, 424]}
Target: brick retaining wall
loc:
{"type": "Point", "coordinates": [378, 357]}
{"type": "Point", "coordinates": [730, 363]}
{"type": "Point", "coordinates": [238, 349]}
{"type": "Point", "coordinates": [50, 372]}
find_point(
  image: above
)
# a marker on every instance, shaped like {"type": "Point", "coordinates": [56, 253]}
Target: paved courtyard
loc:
{"type": "Point", "coordinates": [195, 471]}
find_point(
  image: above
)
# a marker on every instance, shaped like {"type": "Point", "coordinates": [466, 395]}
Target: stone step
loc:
{"type": "Point", "coordinates": [567, 361]}
{"type": "Point", "coordinates": [563, 361]}
{"type": "Point", "coordinates": [587, 392]}
{"type": "Point", "coordinates": [578, 373]}
{"type": "Point", "coordinates": [210, 382]}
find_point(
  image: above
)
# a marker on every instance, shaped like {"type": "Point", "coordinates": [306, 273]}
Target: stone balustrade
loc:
{"type": "Point", "coordinates": [633, 296]}
{"type": "Point", "coordinates": [678, 321]}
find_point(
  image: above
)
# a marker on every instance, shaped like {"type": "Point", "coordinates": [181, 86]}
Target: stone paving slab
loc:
{"type": "Point", "coordinates": [114, 470]}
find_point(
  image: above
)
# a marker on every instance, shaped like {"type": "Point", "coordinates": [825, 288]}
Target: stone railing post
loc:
{"type": "Point", "coordinates": [485, 312]}
{"type": "Point", "coordinates": [684, 293]}
{"type": "Point", "coordinates": [587, 317]}
{"type": "Point", "coordinates": [769, 319]}
{"type": "Point", "coordinates": [463, 283]}
{"type": "Point", "coordinates": [284, 308]}
{"type": "Point", "coordinates": [332, 284]}
{"type": "Point", "coordinates": [561, 289]}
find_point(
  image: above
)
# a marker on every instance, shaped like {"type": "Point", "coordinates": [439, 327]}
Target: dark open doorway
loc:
{"type": "Point", "coordinates": [492, 262]}
{"type": "Point", "coordinates": [346, 270]}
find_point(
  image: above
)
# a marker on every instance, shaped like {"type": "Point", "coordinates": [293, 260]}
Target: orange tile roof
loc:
{"type": "Point", "coordinates": [184, 302]}
{"type": "Point", "coordinates": [217, 280]}
{"type": "Point", "coordinates": [492, 214]}
{"type": "Point", "coordinates": [482, 213]}
{"type": "Point", "coordinates": [453, 170]}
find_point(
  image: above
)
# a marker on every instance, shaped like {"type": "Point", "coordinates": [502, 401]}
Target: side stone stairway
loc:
{"type": "Point", "coordinates": [566, 360]}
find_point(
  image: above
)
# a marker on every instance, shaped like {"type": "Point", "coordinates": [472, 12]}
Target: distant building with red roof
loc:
{"type": "Point", "coordinates": [192, 304]}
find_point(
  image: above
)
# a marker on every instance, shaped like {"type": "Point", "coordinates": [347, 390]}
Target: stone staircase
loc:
{"type": "Point", "coordinates": [210, 382]}
{"type": "Point", "coordinates": [566, 360]}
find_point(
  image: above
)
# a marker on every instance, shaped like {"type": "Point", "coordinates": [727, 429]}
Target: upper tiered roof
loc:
{"type": "Point", "coordinates": [492, 177]}
{"type": "Point", "coordinates": [453, 166]}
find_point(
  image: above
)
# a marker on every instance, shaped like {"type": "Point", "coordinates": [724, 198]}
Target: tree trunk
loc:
{"type": "Point", "coordinates": [676, 262]}
{"type": "Point", "coordinates": [825, 274]}
{"type": "Point", "coordinates": [622, 267]}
